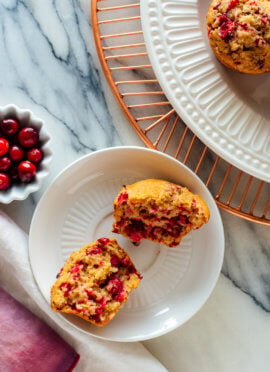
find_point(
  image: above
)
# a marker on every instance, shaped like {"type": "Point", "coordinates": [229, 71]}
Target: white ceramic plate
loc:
{"type": "Point", "coordinates": [228, 111]}
{"type": "Point", "coordinates": [77, 208]}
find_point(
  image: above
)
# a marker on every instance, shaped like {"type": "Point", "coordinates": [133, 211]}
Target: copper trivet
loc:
{"type": "Point", "coordinates": [126, 65]}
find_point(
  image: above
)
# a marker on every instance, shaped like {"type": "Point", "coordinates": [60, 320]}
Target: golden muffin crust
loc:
{"type": "Point", "coordinates": [158, 210]}
{"type": "Point", "coordinates": [239, 34]}
{"type": "Point", "coordinates": [95, 282]}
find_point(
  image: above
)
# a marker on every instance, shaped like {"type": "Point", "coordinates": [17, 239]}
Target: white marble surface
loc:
{"type": "Point", "coordinates": [49, 64]}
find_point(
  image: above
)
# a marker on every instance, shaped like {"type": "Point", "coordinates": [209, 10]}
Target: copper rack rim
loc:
{"type": "Point", "coordinates": [131, 55]}
{"type": "Point", "coordinates": [133, 67]}
{"type": "Point", "coordinates": [123, 46]}
{"type": "Point", "coordinates": [118, 7]}
{"type": "Point", "coordinates": [123, 34]}
{"type": "Point", "coordinates": [150, 81]}
{"type": "Point", "coordinates": [165, 124]}
{"type": "Point", "coordinates": [119, 20]}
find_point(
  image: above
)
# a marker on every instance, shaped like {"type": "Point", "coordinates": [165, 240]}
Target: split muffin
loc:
{"type": "Point", "coordinates": [159, 211]}
{"type": "Point", "coordinates": [95, 282]}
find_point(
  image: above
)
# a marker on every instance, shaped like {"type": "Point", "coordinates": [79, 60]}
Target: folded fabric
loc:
{"type": "Point", "coordinates": [29, 344]}
{"type": "Point", "coordinates": [95, 355]}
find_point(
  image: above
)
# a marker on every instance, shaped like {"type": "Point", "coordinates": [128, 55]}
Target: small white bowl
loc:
{"type": "Point", "coordinates": [27, 118]}
{"type": "Point", "coordinates": [176, 281]}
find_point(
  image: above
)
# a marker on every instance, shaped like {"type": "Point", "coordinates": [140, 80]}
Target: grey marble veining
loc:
{"type": "Point", "coordinates": [247, 259]}
{"type": "Point", "coordinates": [49, 64]}
{"type": "Point", "coordinates": [48, 59]}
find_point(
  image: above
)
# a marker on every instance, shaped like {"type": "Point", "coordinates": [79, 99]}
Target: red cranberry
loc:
{"type": "Point", "coordinates": [28, 137]}
{"type": "Point", "coordinates": [66, 288]}
{"type": "Point", "coordinates": [5, 163]}
{"type": "Point", "coordinates": [13, 173]}
{"type": "Point", "coordinates": [35, 155]}
{"type": "Point", "coordinates": [125, 261]}
{"type": "Point", "coordinates": [76, 268]}
{"type": "Point", "coordinates": [16, 153]}
{"type": "Point", "coordinates": [103, 241]}
{"type": "Point", "coordinates": [115, 286]}
{"type": "Point", "coordinates": [120, 297]}
{"type": "Point", "coordinates": [4, 146]}
{"type": "Point", "coordinates": [102, 303]}
{"type": "Point", "coordinates": [115, 260]}
{"type": "Point", "coordinates": [4, 181]}
{"type": "Point", "coordinates": [94, 250]}
{"type": "Point", "coordinates": [232, 4]}
{"type": "Point", "coordinates": [122, 198]}
{"type": "Point", "coordinates": [9, 127]}
{"type": "Point", "coordinates": [26, 171]}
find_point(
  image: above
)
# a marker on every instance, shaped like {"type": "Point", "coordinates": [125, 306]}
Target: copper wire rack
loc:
{"type": "Point", "coordinates": [121, 48]}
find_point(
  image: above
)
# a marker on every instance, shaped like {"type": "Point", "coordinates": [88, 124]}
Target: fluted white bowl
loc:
{"type": "Point", "coordinates": [27, 118]}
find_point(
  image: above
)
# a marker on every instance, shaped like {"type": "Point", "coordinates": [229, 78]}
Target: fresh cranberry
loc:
{"type": "Point", "coordinates": [91, 295]}
{"type": "Point", "coordinates": [102, 303]}
{"type": "Point", "coordinates": [76, 268]}
{"type": "Point", "coordinates": [26, 171]}
{"type": "Point", "coordinates": [136, 230]}
{"type": "Point", "coordinates": [66, 288]}
{"type": "Point", "coordinates": [226, 27]}
{"type": "Point", "coordinates": [176, 231]}
{"type": "Point", "coordinates": [232, 4]}
{"type": "Point", "coordinates": [16, 153]}
{"type": "Point", "coordinates": [94, 250]}
{"type": "Point", "coordinates": [115, 260]}
{"type": "Point", "coordinates": [183, 220]}
{"type": "Point", "coordinates": [28, 137]}
{"type": "Point", "coordinates": [122, 198]}
{"type": "Point", "coordinates": [103, 241]}
{"type": "Point", "coordinates": [5, 163]}
{"type": "Point", "coordinates": [125, 261]}
{"type": "Point", "coordinates": [4, 181]}
{"type": "Point", "coordinates": [120, 297]}
{"type": "Point", "coordinates": [9, 127]}
{"type": "Point", "coordinates": [4, 146]}
{"type": "Point", "coordinates": [35, 155]}
{"type": "Point", "coordinates": [115, 286]}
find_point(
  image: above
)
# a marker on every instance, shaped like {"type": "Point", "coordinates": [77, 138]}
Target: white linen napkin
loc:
{"type": "Point", "coordinates": [95, 355]}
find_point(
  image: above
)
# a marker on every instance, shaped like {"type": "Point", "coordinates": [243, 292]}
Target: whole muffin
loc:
{"type": "Point", "coordinates": [158, 210]}
{"type": "Point", "coordinates": [239, 34]}
{"type": "Point", "coordinates": [95, 282]}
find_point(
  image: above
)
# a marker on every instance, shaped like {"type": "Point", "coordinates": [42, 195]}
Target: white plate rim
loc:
{"type": "Point", "coordinates": [91, 155]}
{"type": "Point", "coordinates": [254, 160]}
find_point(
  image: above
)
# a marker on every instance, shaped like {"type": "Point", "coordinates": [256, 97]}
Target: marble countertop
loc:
{"type": "Point", "coordinates": [49, 65]}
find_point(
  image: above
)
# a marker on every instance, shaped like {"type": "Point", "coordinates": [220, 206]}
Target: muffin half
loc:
{"type": "Point", "coordinates": [95, 282]}
{"type": "Point", "coordinates": [158, 210]}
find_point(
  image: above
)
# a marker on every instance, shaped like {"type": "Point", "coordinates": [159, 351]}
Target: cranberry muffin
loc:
{"type": "Point", "coordinates": [159, 211]}
{"type": "Point", "coordinates": [239, 34]}
{"type": "Point", "coordinates": [95, 282]}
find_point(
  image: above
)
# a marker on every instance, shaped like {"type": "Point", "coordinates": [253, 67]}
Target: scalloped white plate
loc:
{"type": "Point", "coordinates": [228, 111]}
{"type": "Point", "coordinates": [78, 208]}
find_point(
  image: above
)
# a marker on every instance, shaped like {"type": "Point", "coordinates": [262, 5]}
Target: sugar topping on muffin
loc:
{"type": "Point", "coordinates": [239, 34]}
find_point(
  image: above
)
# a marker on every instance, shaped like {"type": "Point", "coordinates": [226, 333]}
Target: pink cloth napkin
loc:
{"type": "Point", "coordinates": [29, 344]}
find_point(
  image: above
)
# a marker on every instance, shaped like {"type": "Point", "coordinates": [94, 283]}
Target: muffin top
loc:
{"type": "Point", "coordinates": [239, 34]}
